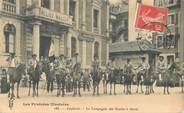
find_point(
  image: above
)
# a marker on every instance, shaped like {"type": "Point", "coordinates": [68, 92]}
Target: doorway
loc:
{"type": "Point", "coordinates": [45, 43]}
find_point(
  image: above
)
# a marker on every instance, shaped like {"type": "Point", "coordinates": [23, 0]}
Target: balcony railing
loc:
{"type": "Point", "coordinates": [44, 13]}
{"type": "Point", "coordinates": [8, 7]}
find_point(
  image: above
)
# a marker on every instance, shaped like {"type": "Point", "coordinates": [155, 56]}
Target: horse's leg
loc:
{"type": "Point", "coordinates": [52, 86]}
{"type": "Point", "coordinates": [114, 88]}
{"type": "Point", "coordinates": [74, 88]}
{"type": "Point", "coordinates": [34, 89]}
{"type": "Point", "coordinates": [48, 85]}
{"type": "Point", "coordinates": [29, 88]}
{"type": "Point", "coordinates": [63, 87]}
{"type": "Point", "coordinates": [79, 85]}
{"type": "Point", "coordinates": [168, 89]}
{"type": "Point", "coordinates": [141, 87]}
{"type": "Point", "coordinates": [130, 88]}
{"type": "Point", "coordinates": [18, 89]}
{"type": "Point", "coordinates": [98, 89]}
{"type": "Point", "coordinates": [12, 93]}
{"type": "Point", "coordinates": [182, 84]}
{"type": "Point", "coordinates": [37, 87]}
{"type": "Point", "coordinates": [164, 88]}
{"type": "Point", "coordinates": [110, 88]}
{"type": "Point", "coordinates": [124, 87]}
{"type": "Point", "coordinates": [58, 88]}
{"type": "Point", "coordinates": [137, 91]}
{"type": "Point", "coordinates": [94, 88]}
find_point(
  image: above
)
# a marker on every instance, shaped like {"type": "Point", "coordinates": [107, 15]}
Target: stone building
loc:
{"type": "Point", "coordinates": [124, 35]}
{"type": "Point", "coordinates": [31, 26]}
{"type": "Point", "coordinates": [170, 43]}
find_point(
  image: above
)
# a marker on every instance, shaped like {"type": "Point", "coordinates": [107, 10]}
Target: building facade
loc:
{"type": "Point", "coordinates": [133, 32]}
{"type": "Point", "coordinates": [31, 26]}
{"type": "Point", "coordinates": [123, 34]}
{"type": "Point", "coordinates": [170, 43]}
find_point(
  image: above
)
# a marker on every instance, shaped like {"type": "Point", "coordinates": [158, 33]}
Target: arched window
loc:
{"type": "Point", "coordinates": [96, 50]}
{"type": "Point", "coordinates": [73, 46]}
{"type": "Point", "coordinates": [9, 38]}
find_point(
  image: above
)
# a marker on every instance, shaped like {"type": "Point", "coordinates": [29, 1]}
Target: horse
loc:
{"type": "Point", "coordinates": [34, 77]}
{"type": "Point", "coordinates": [104, 81]}
{"type": "Point", "coordinates": [128, 76]}
{"type": "Point", "coordinates": [15, 76]}
{"type": "Point", "coordinates": [96, 77]}
{"type": "Point", "coordinates": [114, 78]}
{"type": "Point", "coordinates": [60, 80]}
{"type": "Point", "coordinates": [140, 78]}
{"type": "Point", "coordinates": [86, 81]}
{"type": "Point", "coordinates": [76, 76]}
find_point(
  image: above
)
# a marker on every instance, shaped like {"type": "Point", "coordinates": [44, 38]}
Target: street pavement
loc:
{"type": "Point", "coordinates": [105, 103]}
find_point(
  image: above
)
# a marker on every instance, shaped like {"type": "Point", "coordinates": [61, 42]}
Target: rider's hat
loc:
{"type": "Point", "coordinates": [76, 53]}
{"type": "Point", "coordinates": [12, 54]}
{"type": "Point", "coordinates": [34, 55]}
{"type": "Point", "coordinates": [143, 58]}
{"type": "Point", "coordinates": [61, 55]}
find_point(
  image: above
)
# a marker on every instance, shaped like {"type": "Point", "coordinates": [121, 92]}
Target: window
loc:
{"type": "Point", "coordinates": [9, 38]}
{"type": "Point", "coordinates": [72, 9]}
{"type": "Point", "coordinates": [45, 3]}
{"type": "Point", "coordinates": [96, 49]}
{"type": "Point", "coordinates": [171, 41]}
{"type": "Point", "coordinates": [170, 59]}
{"type": "Point", "coordinates": [160, 41]}
{"type": "Point", "coordinates": [95, 18]}
{"type": "Point", "coordinates": [171, 1]}
{"type": "Point", "coordinates": [74, 46]}
{"type": "Point", "coordinates": [171, 19]}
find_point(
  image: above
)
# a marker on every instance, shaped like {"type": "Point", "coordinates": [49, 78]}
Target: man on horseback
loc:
{"type": "Point", "coordinates": [12, 63]}
{"type": "Point", "coordinates": [128, 71]}
{"type": "Point", "coordinates": [164, 72]}
{"type": "Point", "coordinates": [76, 73]}
{"type": "Point", "coordinates": [69, 80]}
{"type": "Point", "coordinates": [96, 74]}
{"type": "Point", "coordinates": [51, 75]}
{"type": "Point", "coordinates": [34, 72]}
{"type": "Point", "coordinates": [143, 75]}
{"type": "Point", "coordinates": [60, 71]}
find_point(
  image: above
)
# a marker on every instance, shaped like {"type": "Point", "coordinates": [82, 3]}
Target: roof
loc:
{"type": "Point", "coordinates": [133, 46]}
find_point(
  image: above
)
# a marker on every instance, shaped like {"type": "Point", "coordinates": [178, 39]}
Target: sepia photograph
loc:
{"type": "Point", "coordinates": [91, 56]}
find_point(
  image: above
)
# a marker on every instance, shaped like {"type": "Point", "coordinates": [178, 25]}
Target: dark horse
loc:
{"type": "Point", "coordinates": [77, 75]}
{"type": "Point", "coordinates": [34, 77]}
{"type": "Point", "coordinates": [140, 78]}
{"type": "Point", "coordinates": [96, 77]}
{"type": "Point", "coordinates": [128, 76]}
{"type": "Point", "coordinates": [15, 77]}
{"type": "Point", "coordinates": [114, 77]}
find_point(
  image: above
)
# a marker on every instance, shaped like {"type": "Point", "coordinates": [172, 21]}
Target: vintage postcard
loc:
{"type": "Point", "coordinates": [91, 56]}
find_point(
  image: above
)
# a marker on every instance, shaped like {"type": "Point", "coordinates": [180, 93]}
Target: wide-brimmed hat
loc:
{"type": "Point", "coordinates": [143, 58]}
{"type": "Point", "coordinates": [76, 53]}
{"type": "Point", "coordinates": [12, 54]}
{"type": "Point", "coordinates": [61, 55]}
{"type": "Point", "coordinates": [34, 55]}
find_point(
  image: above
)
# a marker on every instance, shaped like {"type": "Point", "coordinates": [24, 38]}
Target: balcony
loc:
{"type": "Point", "coordinates": [48, 15]}
{"type": "Point", "coordinates": [8, 7]}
